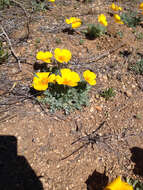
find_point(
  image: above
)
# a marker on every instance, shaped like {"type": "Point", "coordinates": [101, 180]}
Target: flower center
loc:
{"type": "Point", "coordinates": [44, 81]}
{"type": "Point", "coordinates": [62, 58]}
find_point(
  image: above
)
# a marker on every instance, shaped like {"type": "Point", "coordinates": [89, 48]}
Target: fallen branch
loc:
{"type": "Point", "coordinates": [11, 48]}
{"type": "Point", "coordinates": [105, 54]}
{"type": "Point", "coordinates": [89, 61]}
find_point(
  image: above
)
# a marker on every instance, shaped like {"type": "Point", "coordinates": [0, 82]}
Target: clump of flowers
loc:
{"type": "Point", "coordinates": [75, 22]}
{"type": "Point", "coordinates": [118, 184]}
{"type": "Point", "coordinates": [68, 77]}
{"type": "Point", "coordinates": [115, 7]}
{"type": "Point", "coordinates": [62, 55]}
{"type": "Point", "coordinates": [44, 56]}
{"type": "Point", "coordinates": [95, 30]}
{"type": "Point", "coordinates": [41, 80]}
{"type": "Point", "coordinates": [117, 19]}
{"type": "Point", "coordinates": [90, 77]}
{"type": "Point", "coordinates": [102, 20]}
{"type": "Point", "coordinates": [141, 7]}
{"type": "Point", "coordinates": [62, 88]}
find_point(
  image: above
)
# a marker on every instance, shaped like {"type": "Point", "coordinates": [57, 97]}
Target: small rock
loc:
{"type": "Point", "coordinates": [38, 110]}
{"type": "Point", "coordinates": [98, 108]}
{"type": "Point", "coordinates": [133, 86]}
{"type": "Point", "coordinates": [97, 96]}
{"type": "Point", "coordinates": [128, 93]}
{"type": "Point", "coordinates": [14, 70]}
{"type": "Point", "coordinates": [105, 78]}
{"type": "Point", "coordinates": [92, 109]}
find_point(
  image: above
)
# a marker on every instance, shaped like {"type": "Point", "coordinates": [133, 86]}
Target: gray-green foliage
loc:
{"type": "Point", "coordinates": [131, 19]}
{"type": "Point", "coordinates": [137, 67]}
{"type": "Point", "coordinates": [137, 185]}
{"type": "Point", "coordinates": [108, 93]}
{"type": "Point", "coordinates": [40, 5]}
{"type": "Point", "coordinates": [4, 3]}
{"type": "Point", "coordinates": [3, 53]}
{"type": "Point", "coordinates": [60, 97]}
{"type": "Point", "coordinates": [120, 34]}
{"type": "Point", "coordinates": [93, 31]}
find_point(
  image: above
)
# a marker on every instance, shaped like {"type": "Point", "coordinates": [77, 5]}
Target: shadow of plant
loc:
{"type": "Point", "coordinates": [137, 158]}
{"type": "Point", "coordinates": [96, 181]}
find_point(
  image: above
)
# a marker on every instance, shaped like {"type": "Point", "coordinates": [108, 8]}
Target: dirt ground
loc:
{"type": "Point", "coordinates": [42, 138]}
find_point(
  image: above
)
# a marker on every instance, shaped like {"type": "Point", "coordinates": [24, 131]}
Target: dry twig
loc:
{"type": "Point", "coordinates": [11, 48]}
{"type": "Point", "coordinates": [92, 138]}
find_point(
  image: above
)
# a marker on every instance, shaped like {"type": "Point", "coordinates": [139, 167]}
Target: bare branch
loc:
{"type": "Point", "coordinates": [11, 48]}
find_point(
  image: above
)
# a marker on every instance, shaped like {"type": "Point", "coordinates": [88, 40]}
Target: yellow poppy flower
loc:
{"type": "Point", "coordinates": [41, 80]}
{"type": "Point", "coordinates": [62, 55]}
{"type": "Point", "coordinates": [76, 22]}
{"type": "Point", "coordinates": [102, 19]}
{"type": "Point", "coordinates": [51, 0]}
{"type": "Point", "coordinates": [44, 56]}
{"type": "Point", "coordinates": [118, 184]}
{"type": "Point", "coordinates": [89, 77]}
{"type": "Point", "coordinates": [118, 19]}
{"type": "Point", "coordinates": [68, 77]}
{"type": "Point", "coordinates": [115, 7]}
{"type": "Point", "coordinates": [141, 6]}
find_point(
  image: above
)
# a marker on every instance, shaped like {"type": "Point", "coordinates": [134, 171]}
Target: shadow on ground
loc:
{"type": "Point", "coordinates": [15, 172]}
{"type": "Point", "coordinates": [96, 181]}
{"type": "Point", "coordinates": [137, 158]}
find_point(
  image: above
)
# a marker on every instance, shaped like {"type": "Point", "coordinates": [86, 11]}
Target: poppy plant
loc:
{"type": "Point", "coordinates": [89, 77]}
{"type": "Point", "coordinates": [118, 184]}
{"type": "Point", "coordinates": [102, 19]}
{"type": "Point", "coordinates": [75, 22]}
{"type": "Point", "coordinates": [62, 55]}
{"type": "Point", "coordinates": [41, 80]}
{"type": "Point", "coordinates": [118, 19]}
{"type": "Point", "coordinates": [68, 77]}
{"type": "Point", "coordinates": [115, 7]}
{"type": "Point", "coordinates": [44, 56]}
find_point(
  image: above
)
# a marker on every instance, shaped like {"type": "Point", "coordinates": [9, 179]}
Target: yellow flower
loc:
{"type": "Point", "coordinates": [62, 55]}
{"type": "Point", "coordinates": [76, 22]}
{"type": "Point", "coordinates": [44, 56]}
{"type": "Point", "coordinates": [68, 77]}
{"type": "Point", "coordinates": [118, 184]}
{"type": "Point", "coordinates": [141, 6]}
{"type": "Point", "coordinates": [51, 0]}
{"type": "Point", "coordinates": [118, 19]}
{"type": "Point", "coordinates": [41, 80]}
{"type": "Point", "coordinates": [115, 7]}
{"type": "Point", "coordinates": [89, 77]}
{"type": "Point", "coordinates": [102, 19]}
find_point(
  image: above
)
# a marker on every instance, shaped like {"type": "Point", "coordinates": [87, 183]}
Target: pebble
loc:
{"type": "Point", "coordinates": [92, 109]}
{"type": "Point", "coordinates": [105, 78]}
{"type": "Point", "coordinates": [128, 93]}
{"type": "Point", "coordinates": [99, 108]}
{"type": "Point", "coordinates": [38, 110]}
{"type": "Point", "coordinates": [14, 70]}
{"type": "Point", "coordinates": [97, 96]}
{"type": "Point", "coordinates": [133, 86]}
